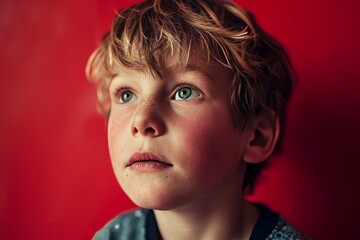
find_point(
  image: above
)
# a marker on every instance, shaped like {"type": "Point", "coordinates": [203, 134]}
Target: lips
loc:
{"type": "Point", "coordinates": [146, 159]}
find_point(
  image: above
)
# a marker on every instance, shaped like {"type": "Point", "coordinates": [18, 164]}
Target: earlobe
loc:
{"type": "Point", "coordinates": [263, 133]}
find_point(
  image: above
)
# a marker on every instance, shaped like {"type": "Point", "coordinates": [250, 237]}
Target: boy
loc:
{"type": "Point", "coordinates": [194, 93]}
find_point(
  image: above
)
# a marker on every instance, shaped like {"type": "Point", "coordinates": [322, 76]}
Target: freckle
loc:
{"type": "Point", "coordinates": [126, 175]}
{"type": "Point", "coordinates": [166, 176]}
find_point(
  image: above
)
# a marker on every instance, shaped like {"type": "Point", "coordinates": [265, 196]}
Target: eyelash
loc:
{"type": "Point", "coordinates": [182, 85]}
{"type": "Point", "coordinates": [120, 90]}
{"type": "Point", "coordinates": [117, 91]}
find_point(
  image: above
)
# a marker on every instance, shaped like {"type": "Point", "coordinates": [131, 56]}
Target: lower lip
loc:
{"type": "Point", "coordinates": [149, 166]}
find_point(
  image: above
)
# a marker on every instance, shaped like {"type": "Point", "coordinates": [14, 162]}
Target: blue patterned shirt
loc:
{"type": "Point", "coordinates": [141, 225]}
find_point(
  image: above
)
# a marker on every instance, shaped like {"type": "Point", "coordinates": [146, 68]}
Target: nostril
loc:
{"type": "Point", "coordinates": [135, 130]}
{"type": "Point", "coordinates": [150, 130]}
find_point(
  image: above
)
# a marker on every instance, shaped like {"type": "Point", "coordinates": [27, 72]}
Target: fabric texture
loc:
{"type": "Point", "coordinates": [141, 225]}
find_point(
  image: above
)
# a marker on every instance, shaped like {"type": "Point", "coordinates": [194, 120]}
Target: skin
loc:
{"type": "Point", "coordinates": [198, 194]}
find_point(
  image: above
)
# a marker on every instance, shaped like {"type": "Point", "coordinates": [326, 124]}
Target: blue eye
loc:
{"type": "Point", "coordinates": [186, 93]}
{"type": "Point", "coordinates": [127, 96]}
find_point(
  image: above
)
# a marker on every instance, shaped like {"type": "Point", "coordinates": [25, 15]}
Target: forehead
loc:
{"type": "Point", "coordinates": [172, 66]}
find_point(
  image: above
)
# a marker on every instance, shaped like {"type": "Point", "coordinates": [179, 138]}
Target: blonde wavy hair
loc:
{"type": "Point", "coordinates": [145, 34]}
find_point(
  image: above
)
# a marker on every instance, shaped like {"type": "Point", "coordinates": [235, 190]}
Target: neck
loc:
{"type": "Point", "coordinates": [223, 215]}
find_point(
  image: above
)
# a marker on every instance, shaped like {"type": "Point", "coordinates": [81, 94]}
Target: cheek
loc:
{"type": "Point", "coordinates": [211, 145]}
{"type": "Point", "coordinates": [117, 128]}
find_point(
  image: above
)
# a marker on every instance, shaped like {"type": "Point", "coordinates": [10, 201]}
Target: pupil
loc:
{"type": "Point", "coordinates": [185, 93]}
{"type": "Point", "coordinates": [126, 96]}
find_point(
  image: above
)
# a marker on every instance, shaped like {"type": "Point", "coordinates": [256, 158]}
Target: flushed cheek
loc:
{"type": "Point", "coordinates": [117, 130]}
{"type": "Point", "coordinates": [209, 149]}
{"type": "Point", "coordinates": [117, 126]}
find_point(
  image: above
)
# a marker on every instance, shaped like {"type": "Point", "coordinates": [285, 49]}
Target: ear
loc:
{"type": "Point", "coordinates": [263, 133]}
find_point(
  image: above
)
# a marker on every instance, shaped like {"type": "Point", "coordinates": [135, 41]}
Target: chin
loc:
{"type": "Point", "coordinates": [157, 200]}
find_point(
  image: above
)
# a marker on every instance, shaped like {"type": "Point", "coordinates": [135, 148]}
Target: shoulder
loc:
{"type": "Point", "coordinates": [285, 231]}
{"type": "Point", "coordinates": [130, 225]}
{"type": "Point", "coordinates": [272, 226]}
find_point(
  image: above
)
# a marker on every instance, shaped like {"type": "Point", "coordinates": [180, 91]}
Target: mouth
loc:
{"type": "Point", "coordinates": [146, 161]}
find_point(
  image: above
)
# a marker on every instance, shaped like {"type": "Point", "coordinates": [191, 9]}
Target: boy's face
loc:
{"type": "Point", "coordinates": [173, 141]}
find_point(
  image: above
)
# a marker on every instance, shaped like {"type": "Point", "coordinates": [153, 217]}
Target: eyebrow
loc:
{"type": "Point", "coordinates": [197, 69]}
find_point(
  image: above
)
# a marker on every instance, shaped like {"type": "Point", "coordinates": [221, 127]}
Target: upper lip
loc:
{"type": "Point", "coordinates": [146, 156]}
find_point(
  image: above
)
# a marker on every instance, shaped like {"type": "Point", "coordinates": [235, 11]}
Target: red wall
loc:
{"type": "Point", "coordinates": [56, 181]}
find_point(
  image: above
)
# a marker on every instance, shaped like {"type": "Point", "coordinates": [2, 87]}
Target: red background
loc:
{"type": "Point", "coordinates": [56, 181]}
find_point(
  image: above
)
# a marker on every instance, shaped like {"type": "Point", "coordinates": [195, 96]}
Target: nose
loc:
{"type": "Point", "coordinates": [147, 120]}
